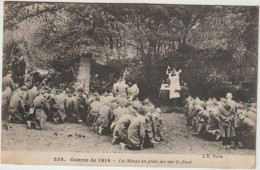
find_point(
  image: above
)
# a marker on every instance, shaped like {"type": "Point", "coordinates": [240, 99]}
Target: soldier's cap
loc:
{"type": "Point", "coordinates": [158, 110]}
{"type": "Point", "coordinates": [9, 72]}
{"type": "Point", "coordinates": [87, 93]}
{"type": "Point", "coordinates": [229, 95]}
{"type": "Point", "coordinates": [157, 115]}
{"type": "Point", "coordinates": [24, 87]}
{"type": "Point", "coordinates": [67, 90]}
{"type": "Point", "coordinates": [222, 99]}
{"type": "Point", "coordinates": [45, 88]}
{"type": "Point", "coordinates": [42, 91]}
{"type": "Point", "coordinates": [199, 108]}
{"type": "Point", "coordinates": [131, 109]}
{"type": "Point", "coordinates": [241, 115]}
{"type": "Point", "coordinates": [28, 70]}
{"type": "Point", "coordinates": [80, 89]}
{"type": "Point", "coordinates": [214, 100]}
{"type": "Point", "coordinates": [146, 101]}
{"type": "Point", "coordinates": [148, 116]}
{"type": "Point", "coordinates": [240, 111]}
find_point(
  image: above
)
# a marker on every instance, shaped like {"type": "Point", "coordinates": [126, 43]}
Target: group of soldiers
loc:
{"type": "Point", "coordinates": [132, 123]}
{"type": "Point", "coordinates": [233, 123]}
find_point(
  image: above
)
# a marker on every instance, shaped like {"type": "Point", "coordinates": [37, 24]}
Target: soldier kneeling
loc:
{"type": "Point", "coordinates": [38, 121]}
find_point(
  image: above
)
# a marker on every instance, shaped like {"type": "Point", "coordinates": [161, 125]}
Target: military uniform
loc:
{"type": "Point", "coordinates": [136, 133]}
{"type": "Point", "coordinates": [226, 124]}
{"type": "Point", "coordinates": [16, 108]}
{"type": "Point", "coordinates": [40, 102]}
{"type": "Point", "coordinates": [146, 108]}
{"type": "Point", "coordinates": [117, 113]}
{"type": "Point", "coordinates": [82, 106]}
{"type": "Point", "coordinates": [120, 129]}
{"type": "Point", "coordinates": [94, 111]}
{"type": "Point", "coordinates": [122, 101]}
{"type": "Point", "coordinates": [28, 80]}
{"type": "Point", "coordinates": [137, 105]}
{"type": "Point", "coordinates": [73, 113]}
{"type": "Point", "coordinates": [40, 118]}
{"type": "Point", "coordinates": [104, 120]}
{"type": "Point", "coordinates": [6, 97]}
{"type": "Point", "coordinates": [246, 132]}
{"type": "Point", "coordinates": [212, 126]}
{"type": "Point", "coordinates": [61, 101]}
{"type": "Point", "coordinates": [122, 89]}
{"type": "Point", "coordinates": [32, 94]}
{"type": "Point", "coordinates": [7, 81]}
{"type": "Point", "coordinates": [157, 126]}
{"type": "Point", "coordinates": [133, 91]}
{"type": "Point", "coordinates": [251, 115]}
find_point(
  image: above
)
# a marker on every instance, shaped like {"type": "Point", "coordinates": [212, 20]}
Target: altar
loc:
{"type": "Point", "coordinates": [164, 91]}
{"type": "Point", "coordinates": [171, 90]}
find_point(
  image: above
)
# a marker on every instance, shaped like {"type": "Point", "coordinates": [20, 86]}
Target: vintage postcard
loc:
{"type": "Point", "coordinates": [129, 85]}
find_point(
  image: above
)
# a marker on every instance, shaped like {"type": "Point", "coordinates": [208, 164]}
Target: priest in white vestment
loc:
{"type": "Point", "coordinates": [175, 84]}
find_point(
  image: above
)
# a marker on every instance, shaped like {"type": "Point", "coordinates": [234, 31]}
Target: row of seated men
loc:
{"type": "Point", "coordinates": [233, 123]}
{"type": "Point", "coordinates": [133, 123]}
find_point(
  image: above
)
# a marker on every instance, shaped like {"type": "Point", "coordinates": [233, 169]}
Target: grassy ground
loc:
{"type": "Point", "coordinates": [65, 138]}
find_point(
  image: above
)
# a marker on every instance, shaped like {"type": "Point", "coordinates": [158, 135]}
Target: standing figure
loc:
{"type": "Point", "coordinates": [226, 124]}
{"type": "Point", "coordinates": [175, 84]}
{"type": "Point", "coordinates": [123, 89]}
{"type": "Point", "coordinates": [21, 70]}
{"type": "Point", "coordinates": [184, 93]}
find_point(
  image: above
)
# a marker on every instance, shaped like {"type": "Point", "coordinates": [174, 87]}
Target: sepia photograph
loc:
{"type": "Point", "coordinates": [129, 85]}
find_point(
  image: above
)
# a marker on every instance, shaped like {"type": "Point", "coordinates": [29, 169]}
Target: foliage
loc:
{"type": "Point", "coordinates": [215, 46]}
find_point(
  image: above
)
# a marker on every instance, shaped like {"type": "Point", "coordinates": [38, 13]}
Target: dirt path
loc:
{"type": "Point", "coordinates": [62, 138]}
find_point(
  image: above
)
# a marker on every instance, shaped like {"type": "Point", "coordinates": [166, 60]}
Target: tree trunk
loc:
{"type": "Point", "coordinates": [83, 77]}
